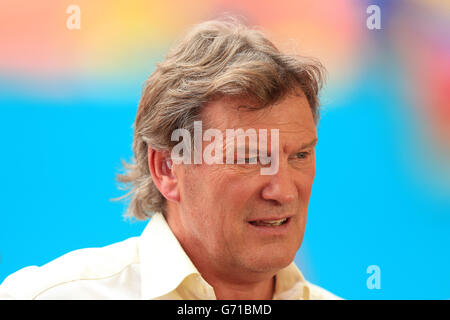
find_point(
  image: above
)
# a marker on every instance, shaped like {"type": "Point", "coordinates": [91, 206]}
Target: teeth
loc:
{"type": "Point", "coordinates": [269, 222]}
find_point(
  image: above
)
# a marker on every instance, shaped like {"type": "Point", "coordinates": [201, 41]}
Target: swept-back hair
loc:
{"type": "Point", "coordinates": [215, 59]}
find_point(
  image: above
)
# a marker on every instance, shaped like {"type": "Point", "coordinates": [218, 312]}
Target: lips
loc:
{"type": "Point", "coordinates": [269, 222]}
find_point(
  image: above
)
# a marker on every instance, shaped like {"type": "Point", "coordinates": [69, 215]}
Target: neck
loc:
{"type": "Point", "coordinates": [233, 285]}
{"type": "Point", "coordinates": [262, 290]}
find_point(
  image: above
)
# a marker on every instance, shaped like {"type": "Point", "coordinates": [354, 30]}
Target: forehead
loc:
{"type": "Point", "coordinates": [292, 115]}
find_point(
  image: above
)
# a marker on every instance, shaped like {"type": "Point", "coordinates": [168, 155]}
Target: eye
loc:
{"type": "Point", "coordinates": [251, 160]}
{"type": "Point", "coordinates": [302, 155]}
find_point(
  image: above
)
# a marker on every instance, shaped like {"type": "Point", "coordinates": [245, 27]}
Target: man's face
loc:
{"type": "Point", "coordinates": [224, 209]}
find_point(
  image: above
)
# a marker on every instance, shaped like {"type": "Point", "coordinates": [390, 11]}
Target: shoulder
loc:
{"type": "Point", "coordinates": [80, 274]}
{"type": "Point", "coordinates": [319, 293]}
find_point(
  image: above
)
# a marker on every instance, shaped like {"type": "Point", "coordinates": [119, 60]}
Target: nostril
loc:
{"type": "Point", "coordinates": [274, 203]}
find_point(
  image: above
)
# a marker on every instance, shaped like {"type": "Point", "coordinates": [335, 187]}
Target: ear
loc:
{"type": "Point", "coordinates": [161, 169]}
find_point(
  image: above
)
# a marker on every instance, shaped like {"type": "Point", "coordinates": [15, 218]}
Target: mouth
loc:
{"type": "Point", "coordinates": [270, 222]}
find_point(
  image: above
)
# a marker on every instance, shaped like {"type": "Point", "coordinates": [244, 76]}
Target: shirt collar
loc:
{"type": "Point", "coordinates": [165, 265]}
{"type": "Point", "coordinates": [291, 285]}
{"type": "Point", "coordinates": [161, 254]}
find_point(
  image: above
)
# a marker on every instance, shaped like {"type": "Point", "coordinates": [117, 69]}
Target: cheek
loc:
{"type": "Point", "coordinates": [211, 197]}
{"type": "Point", "coordinates": [309, 173]}
{"type": "Point", "coordinates": [305, 182]}
{"type": "Point", "coordinates": [194, 201]}
{"type": "Point", "coordinates": [306, 188]}
{"type": "Point", "coordinates": [231, 203]}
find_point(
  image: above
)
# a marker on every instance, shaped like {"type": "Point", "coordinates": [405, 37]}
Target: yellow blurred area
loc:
{"type": "Point", "coordinates": [117, 35]}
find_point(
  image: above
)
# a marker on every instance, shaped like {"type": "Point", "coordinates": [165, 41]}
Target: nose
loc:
{"type": "Point", "coordinates": [281, 187]}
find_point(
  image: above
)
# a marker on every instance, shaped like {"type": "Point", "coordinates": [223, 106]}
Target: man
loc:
{"type": "Point", "coordinates": [221, 227]}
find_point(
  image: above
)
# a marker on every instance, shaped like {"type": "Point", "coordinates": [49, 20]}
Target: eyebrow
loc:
{"type": "Point", "coordinates": [308, 144]}
{"type": "Point", "coordinates": [246, 149]}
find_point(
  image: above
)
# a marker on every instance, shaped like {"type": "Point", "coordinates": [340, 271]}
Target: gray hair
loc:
{"type": "Point", "coordinates": [216, 58]}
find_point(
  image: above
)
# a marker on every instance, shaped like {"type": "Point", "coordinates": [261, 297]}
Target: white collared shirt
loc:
{"type": "Point", "coordinates": [152, 266]}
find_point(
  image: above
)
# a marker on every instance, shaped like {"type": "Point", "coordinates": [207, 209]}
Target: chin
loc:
{"type": "Point", "coordinates": [272, 260]}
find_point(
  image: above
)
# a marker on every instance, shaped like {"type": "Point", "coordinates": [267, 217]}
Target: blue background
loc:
{"type": "Point", "coordinates": [59, 165]}
{"type": "Point", "coordinates": [378, 198]}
